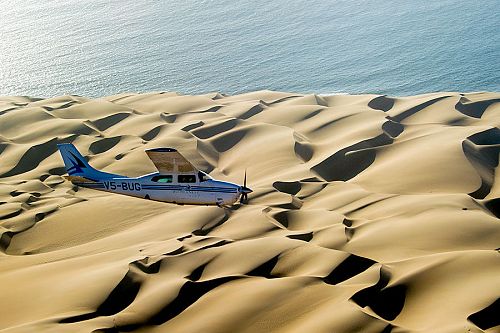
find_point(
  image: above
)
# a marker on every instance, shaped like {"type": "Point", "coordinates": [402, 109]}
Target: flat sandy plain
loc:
{"type": "Point", "coordinates": [369, 214]}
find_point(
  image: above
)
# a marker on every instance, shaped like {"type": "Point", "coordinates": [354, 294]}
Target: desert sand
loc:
{"type": "Point", "coordinates": [369, 214]}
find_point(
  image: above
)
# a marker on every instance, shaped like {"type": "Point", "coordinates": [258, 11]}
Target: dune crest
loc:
{"type": "Point", "coordinates": [369, 214]}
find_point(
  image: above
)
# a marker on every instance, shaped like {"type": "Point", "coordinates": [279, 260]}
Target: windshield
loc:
{"type": "Point", "coordinates": [203, 176]}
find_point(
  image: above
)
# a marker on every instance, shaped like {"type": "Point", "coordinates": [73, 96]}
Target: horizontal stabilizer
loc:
{"type": "Point", "coordinates": [78, 179]}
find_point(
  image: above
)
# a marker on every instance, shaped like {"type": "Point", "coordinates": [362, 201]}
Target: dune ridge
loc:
{"type": "Point", "coordinates": [369, 214]}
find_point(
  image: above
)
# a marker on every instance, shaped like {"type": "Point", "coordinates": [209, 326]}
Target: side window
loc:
{"type": "Point", "coordinates": [187, 179]}
{"type": "Point", "coordinates": [162, 179]}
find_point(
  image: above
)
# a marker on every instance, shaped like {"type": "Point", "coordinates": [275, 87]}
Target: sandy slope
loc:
{"type": "Point", "coordinates": [369, 214]}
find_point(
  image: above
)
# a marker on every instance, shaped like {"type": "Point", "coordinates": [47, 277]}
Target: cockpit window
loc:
{"type": "Point", "coordinates": [203, 176]}
{"type": "Point", "coordinates": [162, 179]}
{"type": "Point", "coordinates": [187, 179]}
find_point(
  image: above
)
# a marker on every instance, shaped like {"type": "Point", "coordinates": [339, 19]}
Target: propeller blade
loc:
{"type": "Point", "coordinates": [244, 190]}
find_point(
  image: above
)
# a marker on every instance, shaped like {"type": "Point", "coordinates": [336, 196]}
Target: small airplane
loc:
{"type": "Point", "coordinates": [177, 181]}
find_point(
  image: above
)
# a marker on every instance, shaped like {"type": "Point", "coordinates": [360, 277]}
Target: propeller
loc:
{"type": "Point", "coordinates": [244, 190]}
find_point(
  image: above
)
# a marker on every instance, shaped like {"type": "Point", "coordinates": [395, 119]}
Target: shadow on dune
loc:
{"type": "Point", "coordinates": [189, 293]}
{"type": "Point", "coordinates": [108, 121]}
{"type": "Point", "coordinates": [383, 103]}
{"type": "Point", "coordinates": [33, 157]}
{"type": "Point", "coordinates": [120, 297]}
{"type": "Point", "coordinates": [265, 269]}
{"type": "Point", "coordinates": [474, 109]}
{"type": "Point", "coordinates": [413, 110]}
{"type": "Point", "coordinates": [482, 150]}
{"type": "Point", "coordinates": [288, 187]}
{"type": "Point", "coordinates": [349, 162]}
{"type": "Point", "coordinates": [350, 267]}
{"type": "Point", "coordinates": [100, 146]}
{"type": "Point", "coordinates": [488, 317]}
{"type": "Point", "coordinates": [387, 302]}
{"type": "Point", "coordinates": [254, 110]}
{"type": "Point", "coordinates": [153, 133]}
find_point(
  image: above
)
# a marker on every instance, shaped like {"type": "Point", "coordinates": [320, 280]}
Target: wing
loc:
{"type": "Point", "coordinates": [169, 160]}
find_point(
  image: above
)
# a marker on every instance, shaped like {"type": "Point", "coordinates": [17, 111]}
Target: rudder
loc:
{"type": "Point", "coordinates": [77, 165]}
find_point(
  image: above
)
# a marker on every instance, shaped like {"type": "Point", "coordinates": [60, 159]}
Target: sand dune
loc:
{"type": "Point", "coordinates": [369, 214]}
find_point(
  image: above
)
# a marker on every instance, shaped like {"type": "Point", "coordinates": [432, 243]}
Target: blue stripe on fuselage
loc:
{"type": "Point", "coordinates": [191, 188]}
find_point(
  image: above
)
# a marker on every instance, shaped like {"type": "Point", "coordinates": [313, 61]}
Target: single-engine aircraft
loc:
{"type": "Point", "coordinates": [177, 181]}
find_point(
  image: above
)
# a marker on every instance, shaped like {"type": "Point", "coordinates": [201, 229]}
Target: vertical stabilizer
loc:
{"type": "Point", "coordinates": [76, 165]}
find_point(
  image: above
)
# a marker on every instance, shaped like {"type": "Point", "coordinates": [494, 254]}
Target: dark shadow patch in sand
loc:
{"type": "Point", "coordinates": [11, 214]}
{"type": "Point", "coordinates": [60, 107]}
{"type": "Point", "coordinates": [176, 252]}
{"type": "Point", "coordinates": [305, 237]}
{"type": "Point", "coordinates": [208, 227]}
{"type": "Point", "coordinates": [493, 206]}
{"type": "Point", "coordinates": [482, 150]}
{"type": "Point", "coordinates": [5, 240]}
{"type": "Point", "coordinates": [288, 187]}
{"type": "Point", "coordinates": [189, 293]}
{"type": "Point", "coordinates": [33, 157]}
{"type": "Point", "coordinates": [488, 317]}
{"type": "Point", "coordinates": [488, 137]}
{"type": "Point", "coordinates": [474, 109]}
{"type": "Point", "coordinates": [350, 267]}
{"type": "Point", "coordinates": [265, 269]}
{"type": "Point", "coordinates": [312, 114]}
{"type": "Point", "coordinates": [211, 109]}
{"type": "Point", "coordinates": [254, 110]}
{"type": "Point", "coordinates": [16, 193]}
{"type": "Point", "coordinates": [387, 302]}
{"type": "Point", "coordinates": [109, 121]}
{"type": "Point", "coordinates": [120, 298]}
{"type": "Point", "coordinates": [228, 140]}
{"type": "Point", "coordinates": [387, 329]}
{"type": "Point", "coordinates": [168, 118]}
{"type": "Point", "coordinates": [216, 244]}
{"type": "Point", "coordinates": [212, 130]}
{"type": "Point", "coordinates": [392, 129]}
{"type": "Point", "coordinates": [349, 162]}
{"type": "Point", "coordinates": [191, 127]}
{"type": "Point", "coordinates": [383, 103]}
{"type": "Point", "coordinates": [304, 151]}
{"type": "Point", "coordinates": [413, 110]}
{"type": "Point", "coordinates": [197, 272]}
{"type": "Point", "coordinates": [153, 133]}
{"type": "Point", "coordinates": [43, 177]}
{"type": "Point", "coordinates": [2, 147]}
{"type": "Point", "coordinates": [347, 222]}
{"type": "Point", "coordinates": [349, 233]}
{"type": "Point", "coordinates": [59, 171]}
{"type": "Point", "coordinates": [281, 218]}
{"type": "Point", "coordinates": [145, 267]}
{"type": "Point", "coordinates": [103, 145]}
{"type": "Point", "coordinates": [280, 100]}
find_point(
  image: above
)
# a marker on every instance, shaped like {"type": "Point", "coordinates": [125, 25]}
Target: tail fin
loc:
{"type": "Point", "coordinates": [76, 165]}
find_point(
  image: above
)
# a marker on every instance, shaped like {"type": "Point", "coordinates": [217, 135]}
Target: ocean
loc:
{"type": "Point", "coordinates": [397, 47]}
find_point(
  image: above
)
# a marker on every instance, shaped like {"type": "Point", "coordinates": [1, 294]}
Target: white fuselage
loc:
{"type": "Point", "coordinates": [179, 189]}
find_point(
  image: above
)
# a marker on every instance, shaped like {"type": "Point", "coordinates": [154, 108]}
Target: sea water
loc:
{"type": "Point", "coordinates": [396, 47]}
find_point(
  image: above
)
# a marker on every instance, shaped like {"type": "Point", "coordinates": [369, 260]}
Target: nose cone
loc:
{"type": "Point", "coordinates": [245, 190]}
